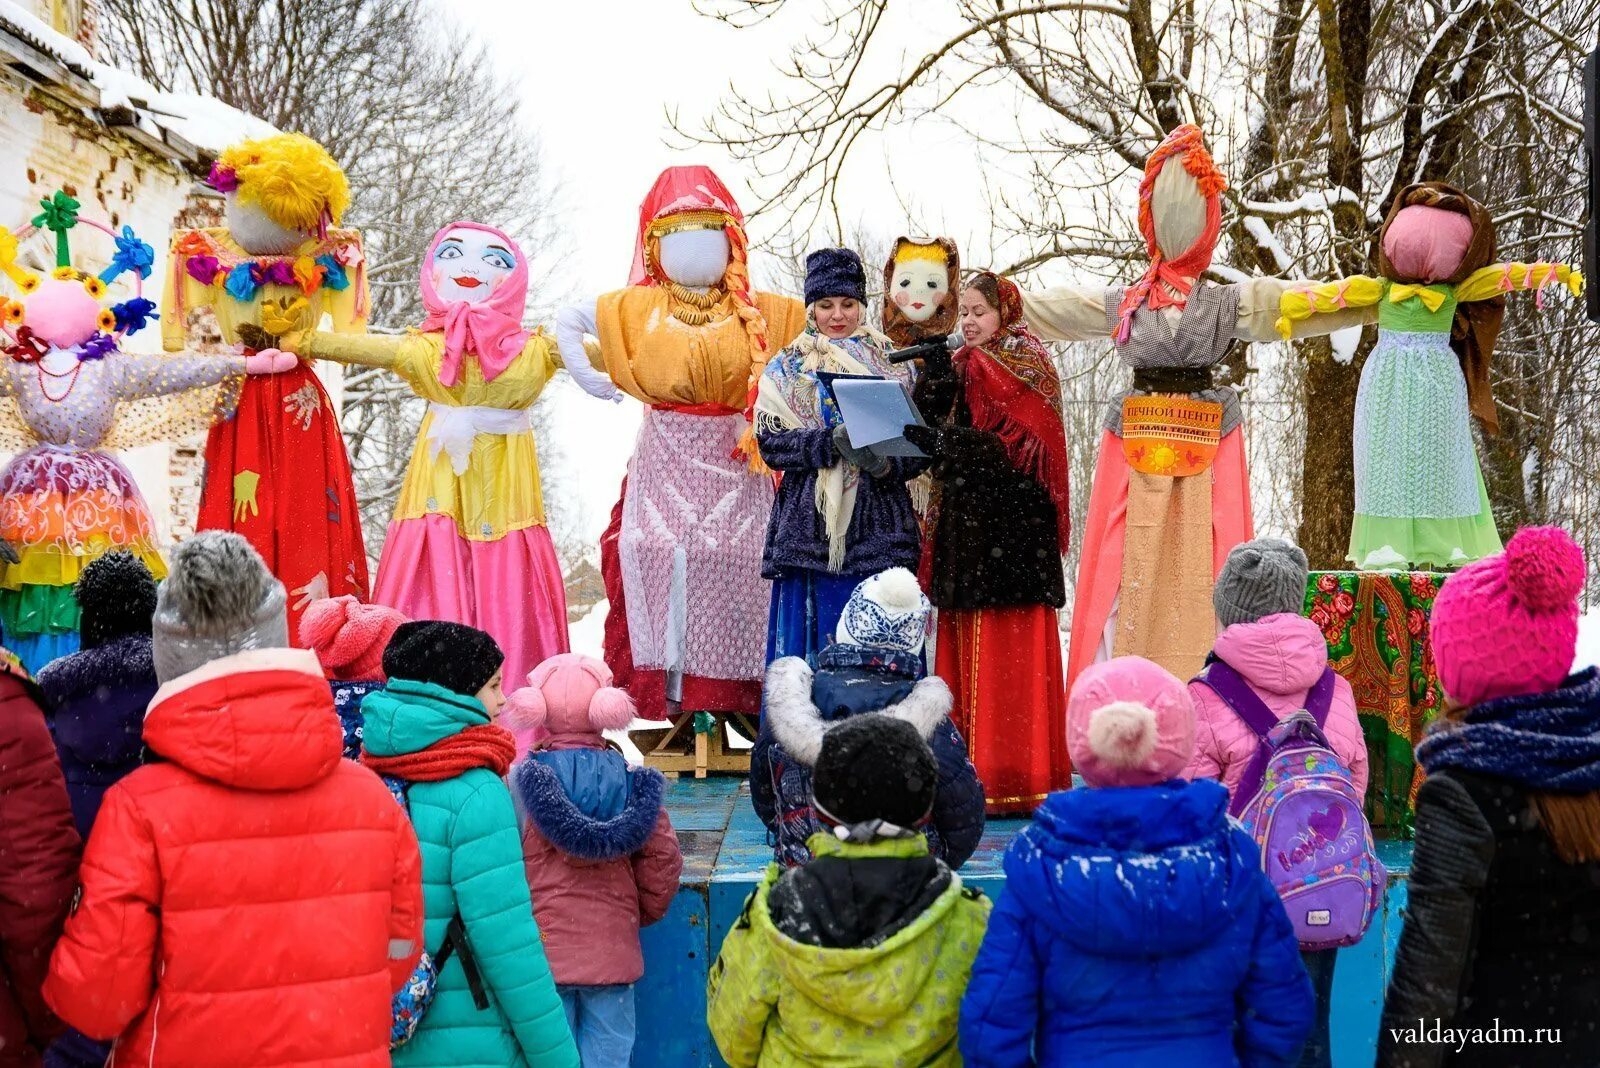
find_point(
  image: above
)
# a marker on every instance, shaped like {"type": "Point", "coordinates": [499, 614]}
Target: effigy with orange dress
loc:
{"type": "Point", "coordinates": [69, 398]}
{"type": "Point", "coordinates": [682, 557]}
{"type": "Point", "coordinates": [1171, 492]}
{"type": "Point", "coordinates": [278, 472]}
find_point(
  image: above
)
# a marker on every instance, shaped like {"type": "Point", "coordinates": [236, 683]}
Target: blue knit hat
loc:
{"type": "Point", "coordinates": [834, 272]}
{"type": "Point", "coordinates": [887, 611]}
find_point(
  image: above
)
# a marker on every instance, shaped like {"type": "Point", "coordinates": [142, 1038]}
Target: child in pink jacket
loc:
{"type": "Point", "coordinates": [1280, 654]}
{"type": "Point", "coordinates": [601, 856]}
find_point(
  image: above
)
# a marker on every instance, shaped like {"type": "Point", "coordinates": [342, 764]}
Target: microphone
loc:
{"type": "Point", "coordinates": [933, 349]}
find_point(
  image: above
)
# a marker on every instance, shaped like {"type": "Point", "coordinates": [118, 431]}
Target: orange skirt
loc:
{"type": "Point", "coordinates": [1003, 666]}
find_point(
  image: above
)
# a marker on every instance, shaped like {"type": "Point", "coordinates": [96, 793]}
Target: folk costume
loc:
{"type": "Point", "coordinates": [468, 542]}
{"type": "Point", "coordinates": [1171, 491]}
{"type": "Point", "coordinates": [682, 556]}
{"type": "Point", "coordinates": [69, 396]}
{"type": "Point", "coordinates": [998, 527]}
{"type": "Point", "coordinates": [277, 472]}
{"type": "Point", "coordinates": [1420, 497]}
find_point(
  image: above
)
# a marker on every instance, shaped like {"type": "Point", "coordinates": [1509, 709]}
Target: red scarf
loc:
{"type": "Point", "coordinates": [1014, 392]}
{"type": "Point", "coordinates": [485, 746]}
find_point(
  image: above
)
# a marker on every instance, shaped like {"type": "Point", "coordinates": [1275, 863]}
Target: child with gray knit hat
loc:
{"type": "Point", "coordinates": [218, 600]}
{"type": "Point", "coordinates": [1273, 652]}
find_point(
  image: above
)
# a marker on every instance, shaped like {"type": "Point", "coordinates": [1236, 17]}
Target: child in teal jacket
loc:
{"type": "Point", "coordinates": [433, 727]}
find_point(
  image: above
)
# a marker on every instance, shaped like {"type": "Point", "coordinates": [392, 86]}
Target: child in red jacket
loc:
{"type": "Point", "coordinates": [601, 855]}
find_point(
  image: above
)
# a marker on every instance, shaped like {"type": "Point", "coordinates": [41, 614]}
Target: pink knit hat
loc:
{"type": "Point", "coordinates": [1508, 625]}
{"type": "Point", "coordinates": [569, 694]}
{"type": "Point", "coordinates": [349, 637]}
{"type": "Point", "coordinates": [1129, 723]}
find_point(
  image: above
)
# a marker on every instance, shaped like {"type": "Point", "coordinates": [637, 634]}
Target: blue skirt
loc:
{"type": "Point", "coordinates": [806, 606]}
{"type": "Point", "coordinates": [37, 650]}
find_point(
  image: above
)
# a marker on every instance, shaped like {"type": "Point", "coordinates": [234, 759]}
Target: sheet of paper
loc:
{"type": "Point", "coordinates": [876, 412]}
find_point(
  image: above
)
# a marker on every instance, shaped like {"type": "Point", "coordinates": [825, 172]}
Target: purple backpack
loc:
{"type": "Point", "coordinates": [1298, 802]}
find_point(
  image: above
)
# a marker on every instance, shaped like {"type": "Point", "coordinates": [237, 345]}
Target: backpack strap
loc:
{"type": "Point", "coordinates": [1236, 693]}
{"type": "Point", "coordinates": [455, 941]}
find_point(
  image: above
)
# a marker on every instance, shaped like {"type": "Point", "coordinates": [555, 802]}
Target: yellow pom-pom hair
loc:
{"type": "Point", "coordinates": [906, 251]}
{"type": "Point", "coordinates": [289, 177]}
{"type": "Point", "coordinates": [1299, 304]}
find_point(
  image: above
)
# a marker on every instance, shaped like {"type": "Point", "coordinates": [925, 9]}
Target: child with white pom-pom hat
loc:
{"type": "Point", "coordinates": [1137, 927]}
{"type": "Point", "coordinates": [601, 855]}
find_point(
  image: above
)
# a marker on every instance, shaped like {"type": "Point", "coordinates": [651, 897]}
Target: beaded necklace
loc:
{"type": "Point", "coordinates": [691, 307]}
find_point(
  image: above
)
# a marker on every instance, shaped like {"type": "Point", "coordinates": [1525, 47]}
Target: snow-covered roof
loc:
{"type": "Point", "coordinates": [182, 126]}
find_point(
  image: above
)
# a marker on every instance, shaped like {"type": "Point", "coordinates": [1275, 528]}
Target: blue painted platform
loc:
{"type": "Point", "coordinates": [725, 852]}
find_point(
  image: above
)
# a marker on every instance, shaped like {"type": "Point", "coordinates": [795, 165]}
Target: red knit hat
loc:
{"type": "Point", "coordinates": [349, 637]}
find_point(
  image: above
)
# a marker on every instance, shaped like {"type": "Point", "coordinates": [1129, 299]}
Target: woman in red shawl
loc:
{"type": "Point", "coordinates": [999, 530]}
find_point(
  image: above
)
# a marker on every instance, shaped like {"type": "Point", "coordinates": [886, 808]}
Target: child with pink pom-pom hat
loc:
{"type": "Point", "coordinates": [1503, 917]}
{"type": "Point", "coordinates": [601, 855]}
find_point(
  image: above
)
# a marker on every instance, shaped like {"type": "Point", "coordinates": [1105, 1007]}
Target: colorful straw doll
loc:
{"type": "Point", "coordinates": [278, 472]}
{"type": "Point", "coordinates": [682, 557]}
{"type": "Point", "coordinates": [1440, 298]}
{"type": "Point", "coordinates": [468, 542]}
{"type": "Point", "coordinates": [68, 397]}
{"type": "Point", "coordinates": [1171, 491]}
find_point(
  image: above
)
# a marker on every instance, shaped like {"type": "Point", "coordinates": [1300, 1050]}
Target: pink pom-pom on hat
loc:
{"type": "Point", "coordinates": [1129, 723]}
{"type": "Point", "coordinates": [1508, 625]}
{"type": "Point", "coordinates": [569, 694]}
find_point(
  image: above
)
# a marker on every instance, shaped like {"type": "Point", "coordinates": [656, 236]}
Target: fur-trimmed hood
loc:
{"type": "Point", "coordinates": [574, 831]}
{"type": "Point", "coordinates": [798, 725]}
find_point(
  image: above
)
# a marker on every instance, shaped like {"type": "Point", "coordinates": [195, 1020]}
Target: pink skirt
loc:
{"type": "Point", "coordinates": [1100, 565]}
{"type": "Point", "coordinates": [511, 588]}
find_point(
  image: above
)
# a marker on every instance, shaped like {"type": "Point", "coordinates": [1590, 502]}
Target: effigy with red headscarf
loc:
{"type": "Point", "coordinates": [682, 557]}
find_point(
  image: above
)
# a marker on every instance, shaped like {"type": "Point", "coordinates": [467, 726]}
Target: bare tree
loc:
{"type": "Point", "coordinates": [426, 133]}
{"type": "Point", "coordinates": [1321, 110]}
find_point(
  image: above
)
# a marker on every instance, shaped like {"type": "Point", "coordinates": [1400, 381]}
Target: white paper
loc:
{"type": "Point", "coordinates": [876, 412]}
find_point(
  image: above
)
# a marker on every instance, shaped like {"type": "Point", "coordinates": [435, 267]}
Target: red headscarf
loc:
{"type": "Point", "coordinates": [1166, 282]}
{"type": "Point", "coordinates": [1013, 391]}
{"type": "Point", "coordinates": [492, 331]}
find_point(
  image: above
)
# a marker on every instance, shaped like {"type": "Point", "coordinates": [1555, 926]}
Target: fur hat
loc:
{"type": "Point", "coordinates": [460, 658]}
{"type": "Point", "coordinates": [834, 272]}
{"type": "Point", "coordinates": [1129, 723]}
{"type": "Point", "coordinates": [569, 694]}
{"type": "Point", "coordinates": [875, 777]}
{"type": "Point", "coordinates": [886, 611]}
{"type": "Point", "coordinates": [1265, 577]}
{"type": "Point", "coordinates": [116, 597]}
{"type": "Point", "coordinates": [1508, 625]}
{"type": "Point", "coordinates": [349, 637]}
{"type": "Point", "coordinates": [219, 599]}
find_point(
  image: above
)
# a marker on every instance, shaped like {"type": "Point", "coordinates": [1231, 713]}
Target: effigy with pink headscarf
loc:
{"type": "Point", "coordinates": [468, 541]}
{"type": "Point", "coordinates": [1171, 492]}
{"type": "Point", "coordinates": [689, 338]}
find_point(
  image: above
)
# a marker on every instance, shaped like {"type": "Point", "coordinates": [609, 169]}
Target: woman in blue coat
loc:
{"type": "Point", "coordinates": [1137, 927]}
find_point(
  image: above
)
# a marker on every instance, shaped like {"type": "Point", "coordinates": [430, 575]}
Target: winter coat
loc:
{"type": "Point", "coordinates": [856, 960]}
{"type": "Point", "coordinates": [995, 542]}
{"type": "Point", "coordinates": [849, 681]}
{"type": "Point", "coordinates": [601, 857]}
{"type": "Point", "coordinates": [1280, 657]}
{"type": "Point", "coordinates": [347, 698]}
{"type": "Point", "coordinates": [1136, 929]}
{"type": "Point", "coordinates": [38, 866]}
{"type": "Point", "coordinates": [1497, 924]}
{"type": "Point", "coordinates": [250, 899]}
{"type": "Point", "coordinates": [97, 699]}
{"type": "Point", "coordinates": [884, 531]}
{"type": "Point", "coordinates": [471, 867]}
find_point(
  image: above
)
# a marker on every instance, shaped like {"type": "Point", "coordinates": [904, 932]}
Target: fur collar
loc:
{"type": "Point", "coordinates": [120, 664]}
{"type": "Point", "coordinates": [797, 723]}
{"type": "Point", "coordinates": [580, 836]}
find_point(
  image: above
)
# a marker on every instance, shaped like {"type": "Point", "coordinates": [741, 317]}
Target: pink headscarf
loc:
{"type": "Point", "coordinates": [491, 331]}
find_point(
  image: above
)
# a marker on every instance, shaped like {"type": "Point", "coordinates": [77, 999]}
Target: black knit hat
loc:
{"type": "Point", "coordinates": [460, 658]}
{"type": "Point", "coordinates": [834, 272]}
{"type": "Point", "coordinates": [875, 767]}
{"type": "Point", "coordinates": [116, 597]}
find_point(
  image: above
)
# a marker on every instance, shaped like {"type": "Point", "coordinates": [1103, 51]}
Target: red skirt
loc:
{"type": "Point", "coordinates": [277, 472]}
{"type": "Point", "coordinates": [1003, 666]}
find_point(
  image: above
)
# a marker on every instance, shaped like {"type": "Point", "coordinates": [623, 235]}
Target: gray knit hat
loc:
{"type": "Point", "coordinates": [220, 599]}
{"type": "Point", "coordinates": [1261, 578]}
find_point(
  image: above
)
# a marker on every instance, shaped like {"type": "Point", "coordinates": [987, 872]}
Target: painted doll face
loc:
{"type": "Point", "coordinates": [918, 286]}
{"type": "Point", "coordinates": [469, 265]}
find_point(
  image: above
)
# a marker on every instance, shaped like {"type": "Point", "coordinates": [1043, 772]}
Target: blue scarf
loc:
{"type": "Point", "coordinates": [1544, 741]}
{"type": "Point", "coordinates": [890, 661]}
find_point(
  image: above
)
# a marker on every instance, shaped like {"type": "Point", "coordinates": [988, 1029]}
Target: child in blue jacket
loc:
{"type": "Point", "coordinates": [1136, 928]}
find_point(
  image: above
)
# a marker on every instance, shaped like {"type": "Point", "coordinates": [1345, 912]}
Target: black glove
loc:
{"type": "Point", "coordinates": [866, 459]}
{"type": "Point", "coordinates": [925, 438]}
